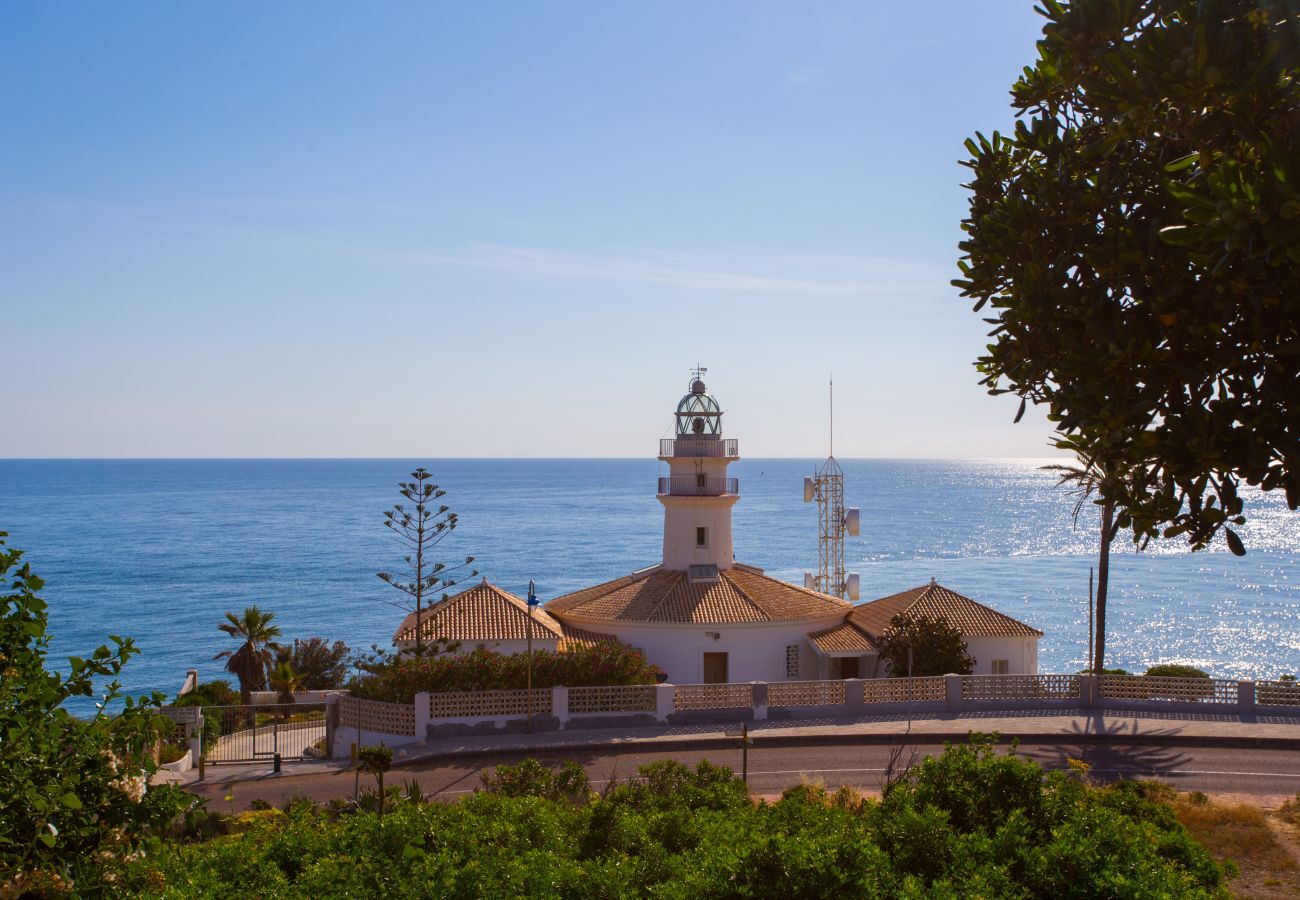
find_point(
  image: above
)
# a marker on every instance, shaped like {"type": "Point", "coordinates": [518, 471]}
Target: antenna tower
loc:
{"type": "Point", "coordinates": [826, 486]}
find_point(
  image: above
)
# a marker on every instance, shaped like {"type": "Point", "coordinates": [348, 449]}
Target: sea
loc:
{"type": "Point", "coordinates": [160, 550]}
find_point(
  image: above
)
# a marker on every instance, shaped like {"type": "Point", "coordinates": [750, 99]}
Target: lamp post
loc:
{"type": "Point", "coordinates": [532, 604]}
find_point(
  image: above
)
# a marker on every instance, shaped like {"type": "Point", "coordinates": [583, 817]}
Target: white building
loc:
{"type": "Point", "coordinates": [703, 617]}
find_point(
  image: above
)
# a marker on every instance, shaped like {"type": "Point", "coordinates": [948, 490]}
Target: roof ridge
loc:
{"type": "Point", "coordinates": [745, 594]}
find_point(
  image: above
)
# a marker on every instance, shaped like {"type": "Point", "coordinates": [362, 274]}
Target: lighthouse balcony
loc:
{"type": "Point", "coordinates": [698, 486]}
{"type": "Point", "coordinates": [723, 448]}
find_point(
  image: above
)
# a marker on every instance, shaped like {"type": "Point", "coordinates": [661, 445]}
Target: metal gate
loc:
{"type": "Point", "coordinates": [256, 733]}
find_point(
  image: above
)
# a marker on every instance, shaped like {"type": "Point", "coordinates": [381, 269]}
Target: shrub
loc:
{"type": "Point", "coordinates": [75, 804]}
{"type": "Point", "coordinates": [397, 679]}
{"type": "Point", "coordinates": [971, 822]}
{"type": "Point", "coordinates": [937, 647]}
{"type": "Point", "coordinates": [1175, 670]}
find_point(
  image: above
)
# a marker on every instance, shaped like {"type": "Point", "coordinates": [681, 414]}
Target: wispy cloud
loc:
{"type": "Point", "coordinates": [833, 275]}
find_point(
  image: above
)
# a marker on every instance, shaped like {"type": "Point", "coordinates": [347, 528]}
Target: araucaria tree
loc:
{"type": "Point", "coordinates": [1137, 241]}
{"type": "Point", "coordinates": [936, 647]}
{"type": "Point", "coordinates": [419, 530]}
{"type": "Point", "coordinates": [255, 656]}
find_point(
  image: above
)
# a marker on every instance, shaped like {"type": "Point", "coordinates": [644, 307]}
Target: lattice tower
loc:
{"type": "Point", "coordinates": [829, 492]}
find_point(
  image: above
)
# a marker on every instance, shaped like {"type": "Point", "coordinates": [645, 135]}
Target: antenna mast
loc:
{"type": "Point", "coordinates": [826, 486]}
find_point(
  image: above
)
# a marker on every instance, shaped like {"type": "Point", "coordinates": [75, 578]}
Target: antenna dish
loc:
{"type": "Point", "coordinates": [854, 586]}
{"type": "Point", "coordinates": [853, 521]}
{"type": "Point", "coordinates": [809, 489]}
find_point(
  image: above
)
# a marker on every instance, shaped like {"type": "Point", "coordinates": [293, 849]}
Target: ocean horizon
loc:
{"type": "Point", "coordinates": [160, 549]}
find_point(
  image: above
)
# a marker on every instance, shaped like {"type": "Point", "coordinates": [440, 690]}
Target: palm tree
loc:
{"type": "Point", "coordinates": [255, 655]}
{"type": "Point", "coordinates": [1089, 476]}
{"type": "Point", "coordinates": [285, 681]}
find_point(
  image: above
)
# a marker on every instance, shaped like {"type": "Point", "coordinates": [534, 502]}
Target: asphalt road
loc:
{"type": "Point", "coordinates": [1270, 775]}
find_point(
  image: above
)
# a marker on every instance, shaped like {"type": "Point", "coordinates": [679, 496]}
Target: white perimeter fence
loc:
{"type": "Point", "coordinates": [369, 722]}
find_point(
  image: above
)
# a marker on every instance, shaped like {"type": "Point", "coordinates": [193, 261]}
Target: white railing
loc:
{"type": "Point", "coordinates": [805, 693]}
{"type": "Point", "coordinates": [714, 696]}
{"type": "Point", "coordinates": [904, 690]}
{"type": "Point", "coordinates": [1020, 687]}
{"type": "Point", "coordinates": [1165, 688]}
{"type": "Point", "coordinates": [1277, 693]}
{"type": "Point", "coordinates": [629, 698]}
{"type": "Point", "coordinates": [377, 716]}
{"type": "Point", "coordinates": [488, 704]}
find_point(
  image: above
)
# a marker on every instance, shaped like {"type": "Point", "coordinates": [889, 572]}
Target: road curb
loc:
{"type": "Point", "coordinates": [761, 739]}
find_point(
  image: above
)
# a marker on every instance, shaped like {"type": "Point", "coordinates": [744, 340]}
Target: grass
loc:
{"type": "Point", "coordinates": [1263, 848]}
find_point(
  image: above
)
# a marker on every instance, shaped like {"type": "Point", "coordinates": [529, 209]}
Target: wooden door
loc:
{"type": "Point", "coordinates": [715, 668]}
{"type": "Point", "coordinates": [849, 667]}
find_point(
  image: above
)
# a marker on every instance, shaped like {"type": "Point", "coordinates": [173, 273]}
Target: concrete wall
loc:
{"type": "Point", "coordinates": [756, 652]}
{"type": "Point", "coordinates": [1021, 654]}
{"type": "Point", "coordinates": [682, 515]}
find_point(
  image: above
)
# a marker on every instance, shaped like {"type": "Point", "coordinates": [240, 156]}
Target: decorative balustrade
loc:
{"type": "Point", "coordinates": [716, 448]}
{"type": "Point", "coordinates": [904, 690]}
{"type": "Point", "coordinates": [630, 698]}
{"type": "Point", "coordinates": [805, 693]}
{"type": "Point", "coordinates": [1277, 693]}
{"type": "Point", "coordinates": [1020, 687]}
{"type": "Point", "coordinates": [698, 485]}
{"type": "Point", "coordinates": [377, 716]}
{"type": "Point", "coordinates": [714, 696]}
{"type": "Point", "coordinates": [488, 704]}
{"type": "Point", "coordinates": [1166, 688]}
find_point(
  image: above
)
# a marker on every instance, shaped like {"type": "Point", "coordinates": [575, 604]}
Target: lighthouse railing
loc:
{"type": "Point", "coordinates": [726, 448]}
{"type": "Point", "coordinates": [698, 485]}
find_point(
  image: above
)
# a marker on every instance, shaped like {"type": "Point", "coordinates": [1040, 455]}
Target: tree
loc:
{"type": "Point", "coordinates": [75, 804]}
{"type": "Point", "coordinates": [285, 681]}
{"type": "Point", "coordinates": [255, 655]}
{"type": "Point", "coordinates": [320, 665]}
{"type": "Point", "coordinates": [937, 647]}
{"type": "Point", "coordinates": [1138, 241]}
{"type": "Point", "coordinates": [1093, 476]}
{"type": "Point", "coordinates": [376, 761]}
{"type": "Point", "coordinates": [419, 531]}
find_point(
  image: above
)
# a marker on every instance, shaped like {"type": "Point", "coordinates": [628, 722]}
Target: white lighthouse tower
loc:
{"type": "Point", "coordinates": [697, 494]}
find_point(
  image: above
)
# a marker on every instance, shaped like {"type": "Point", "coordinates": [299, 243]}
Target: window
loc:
{"type": "Point", "coordinates": [792, 661]}
{"type": "Point", "coordinates": [701, 537]}
{"type": "Point", "coordinates": [1001, 666]}
{"type": "Point", "coordinates": [706, 574]}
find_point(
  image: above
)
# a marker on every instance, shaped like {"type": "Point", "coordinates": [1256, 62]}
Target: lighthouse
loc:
{"type": "Point", "coordinates": [697, 494]}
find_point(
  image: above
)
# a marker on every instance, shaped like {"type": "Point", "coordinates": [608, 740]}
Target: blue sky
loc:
{"type": "Point", "coordinates": [436, 230]}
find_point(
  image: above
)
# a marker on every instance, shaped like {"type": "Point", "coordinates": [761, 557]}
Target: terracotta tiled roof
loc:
{"type": "Point", "coordinates": [668, 596]}
{"type": "Point", "coordinates": [843, 638]}
{"type": "Point", "coordinates": [970, 618]}
{"type": "Point", "coordinates": [482, 613]}
{"type": "Point", "coordinates": [581, 637]}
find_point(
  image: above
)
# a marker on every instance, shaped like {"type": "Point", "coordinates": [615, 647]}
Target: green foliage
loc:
{"type": "Point", "coordinates": [532, 779]}
{"type": "Point", "coordinates": [398, 678]}
{"type": "Point", "coordinates": [320, 666]}
{"type": "Point", "coordinates": [1137, 240]}
{"type": "Point", "coordinates": [971, 823]}
{"type": "Point", "coordinates": [375, 760]}
{"type": "Point", "coordinates": [937, 647]}
{"type": "Point", "coordinates": [209, 693]}
{"type": "Point", "coordinates": [1174, 670]}
{"type": "Point", "coordinates": [74, 806]}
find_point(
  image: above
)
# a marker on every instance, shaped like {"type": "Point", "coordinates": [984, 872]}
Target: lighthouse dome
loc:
{"type": "Point", "coordinates": [698, 413]}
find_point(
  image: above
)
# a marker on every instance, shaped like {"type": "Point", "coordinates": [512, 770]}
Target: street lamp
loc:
{"type": "Point", "coordinates": [532, 604]}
